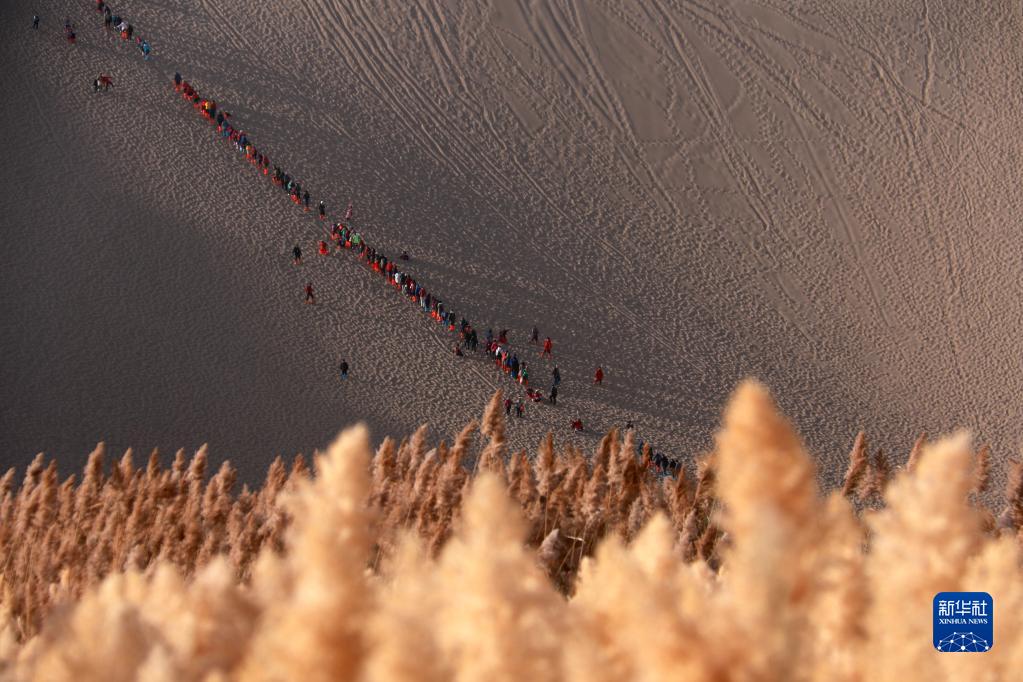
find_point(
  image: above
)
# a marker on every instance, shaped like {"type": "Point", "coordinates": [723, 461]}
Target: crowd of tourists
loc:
{"type": "Point", "coordinates": [341, 236]}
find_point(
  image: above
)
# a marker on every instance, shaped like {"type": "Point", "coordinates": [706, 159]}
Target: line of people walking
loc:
{"type": "Point", "coordinates": [115, 22]}
{"type": "Point", "coordinates": [346, 238]}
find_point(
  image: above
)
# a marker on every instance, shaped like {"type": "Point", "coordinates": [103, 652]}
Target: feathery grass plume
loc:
{"type": "Point", "coordinates": [197, 472]}
{"type": "Point", "coordinates": [313, 632]}
{"type": "Point", "coordinates": [416, 452]}
{"type": "Point", "coordinates": [403, 459]}
{"type": "Point", "coordinates": [270, 518]}
{"type": "Point", "coordinates": [402, 629]}
{"type": "Point", "coordinates": [449, 484]}
{"type": "Point", "coordinates": [651, 490]}
{"type": "Point", "coordinates": [180, 465]}
{"type": "Point", "coordinates": [995, 570]}
{"type": "Point", "coordinates": [628, 488]}
{"type": "Point", "coordinates": [766, 482]}
{"type": "Point", "coordinates": [551, 554]}
{"type": "Point", "coordinates": [92, 481]}
{"type": "Point", "coordinates": [696, 518]}
{"type": "Point", "coordinates": [840, 596]}
{"type": "Point", "coordinates": [153, 466]}
{"type": "Point", "coordinates": [678, 496]}
{"type": "Point", "coordinates": [45, 497]}
{"type": "Point", "coordinates": [875, 483]}
{"type": "Point", "coordinates": [424, 493]}
{"type": "Point", "coordinates": [921, 545]}
{"type": "Point", "coordinates": [638, 515]}
{"type": "Point", "coordinates": [602, 456]}
{"type": "Point", "coordinates": [602, 616]}
{"type": "Point", "coordinates": [299, 471]}
{"type": "Point", "coordinates": [706, 478]}
{"type": "Point", "coordinates": [126, 467]}
{"type": "Point", "coordinates": [858, 461]}
{"type": "Point", "coordinates": [707, 544]}
{"type": "Point", "coordinates": [544, 466]}
{"type": "Point", "coordinates": [563, 509]}
{"type": "Point", "coordinates": [384, 465]}
{"type": "Point", "coordinates": [73, 651]}
{"type": "Point", "coordinates": [207, 623]}
{"type": "Point", "coordinates": [34, 472]}
{"type": "Point", "coordinates": [594, 509]}
{"type": "Point", "coordinates": [460, 448]}
{"type": "Point", "coordinates": [616, 444]}
{"type": "Point", "coordinates": [1012, 515]}
{"type": "Point", "coordinates": [983, 470]}
{"type": "Point", "coordinates": [520, 480]}
{"type": "Point", "coordinates": [493, 426]}
{"type": "Point", "coordinates": [7, 482]}
{"type": "Point", "coordinates": [638, 604]}
{"type": "Point", "coordinates": [915, 452]}
{"type": "Point", "coordinates": [426, 474]}
{"type": "Point", "coordinates": [188, 554]}
{"type": "Point", "coordinates": [502, 619]}
{"type": "Point", "coordinates": [693, 526]}
{"type": "Point", "coordinates": [245, 538]}
{"type": "Point", "coordinates": [66, 500]}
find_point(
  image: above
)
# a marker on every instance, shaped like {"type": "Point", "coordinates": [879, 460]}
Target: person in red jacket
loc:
{"type": "Point", "coordinates": [310, 297]}
{"type": "Point", "coordinates": [598, 376]}
{"type": "Point", "coordinates": [323, 248]}
{"type": "Point", "coordinates": [577, 425]}
{"type": "Point", "coordinates": [547, 345]}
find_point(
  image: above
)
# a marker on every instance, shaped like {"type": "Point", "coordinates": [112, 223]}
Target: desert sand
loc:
{"type": "Point", "coordinates": [820, 195]}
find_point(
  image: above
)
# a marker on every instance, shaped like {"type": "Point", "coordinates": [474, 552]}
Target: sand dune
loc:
{"type": "Point", "coordinates": [685, 193]}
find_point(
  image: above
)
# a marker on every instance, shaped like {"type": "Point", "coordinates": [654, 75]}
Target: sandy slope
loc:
{"type": "Point", "coordinates": [685, 192]}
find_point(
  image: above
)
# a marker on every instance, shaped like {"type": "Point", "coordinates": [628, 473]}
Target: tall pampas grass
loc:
{"type": "Point", "coordinates": [922, 545]}
{"type": "Point", "coordinates": [300, 636]}
{"type": "Point", "coordinates": [574, 567]}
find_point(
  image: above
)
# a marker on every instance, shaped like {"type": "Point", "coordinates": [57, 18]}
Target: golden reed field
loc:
{"type": "Point", "coordinates": [447, 563]}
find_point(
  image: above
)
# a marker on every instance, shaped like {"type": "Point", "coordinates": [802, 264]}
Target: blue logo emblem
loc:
{"type": "Point", "coordinates": [964, 621]}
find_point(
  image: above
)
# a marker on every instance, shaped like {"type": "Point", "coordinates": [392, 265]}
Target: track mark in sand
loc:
{"type": "Point", "coordinates": [441, 53]}
{"type": "Point", "coordinates": [234, 36]}
{"type": "Point", "coordinates": [929, 58]}
{"type": "Point", "coordinates": [592, 58]}
{"type": "Point", "coordinates": [602, 242]}
{"type": "Point", "coordinates": [873, 56]}
{"type": "Point", "coordinates": [851, 236]}
{"type": "Point", "coordinates": [742, 169]}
